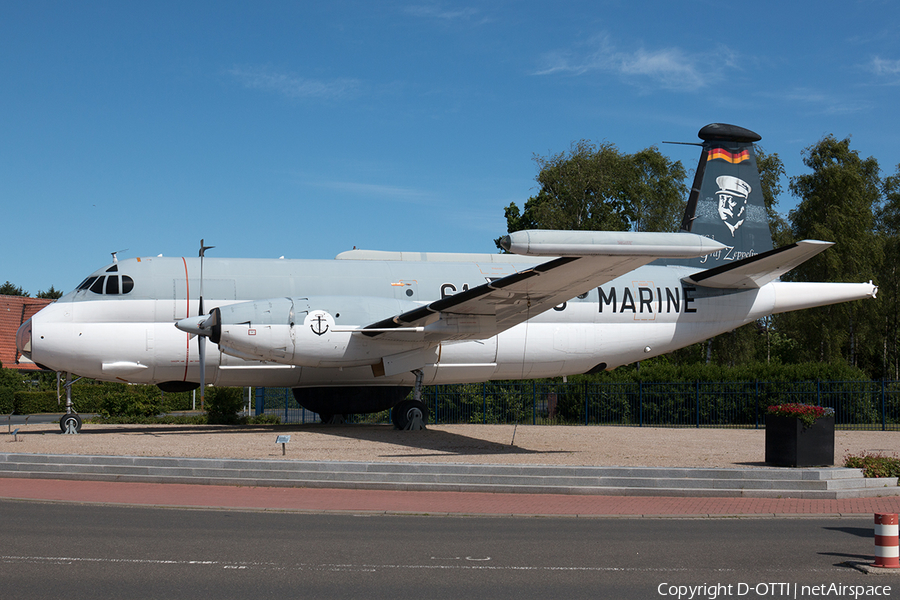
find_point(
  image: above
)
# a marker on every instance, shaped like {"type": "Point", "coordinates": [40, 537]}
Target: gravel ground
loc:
{"type": "Point", "coordinates": [479, 444]}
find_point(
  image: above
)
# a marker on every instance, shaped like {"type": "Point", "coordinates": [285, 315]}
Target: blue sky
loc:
{"type": "Point", "coordinates": [302, 129]}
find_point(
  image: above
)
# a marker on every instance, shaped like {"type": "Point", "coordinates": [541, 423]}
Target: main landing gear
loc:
{"type": "Point", "coordinates": [411, 415]}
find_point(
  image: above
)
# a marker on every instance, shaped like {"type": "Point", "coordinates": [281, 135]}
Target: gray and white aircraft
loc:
{"type": "Point", "coordinates": [354, 334]}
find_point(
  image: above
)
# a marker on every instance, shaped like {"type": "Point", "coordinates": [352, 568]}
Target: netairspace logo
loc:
{"type": "Point", "coordinates": [771, 590]}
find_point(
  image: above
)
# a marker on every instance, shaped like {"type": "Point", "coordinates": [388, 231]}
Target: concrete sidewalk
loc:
{"type": "Point", "coordinates": [557, 448]}
{"type": "Point", "coordinates": [322, 500]}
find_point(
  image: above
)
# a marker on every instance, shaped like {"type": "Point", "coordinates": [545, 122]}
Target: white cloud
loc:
{"type": "Point", "coordinates": [389, 192]}
{"type": "Point", "coordinates": [818, 102]}
{"type": "Point", "coordinates": [880, 66]}
{"type": "Point", "coordinates": [290, 85]}
{"type": "Point", "coordinates": [668, 68]}
{"type": "Point", "coordinates": [436, 11]}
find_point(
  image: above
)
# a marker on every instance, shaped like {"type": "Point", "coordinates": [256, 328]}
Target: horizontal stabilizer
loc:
{"type": "Point", "coordinates": [756, 271]}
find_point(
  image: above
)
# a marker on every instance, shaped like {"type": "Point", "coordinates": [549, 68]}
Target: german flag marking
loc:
{"type": "Point", "coordinates": [732, 157]}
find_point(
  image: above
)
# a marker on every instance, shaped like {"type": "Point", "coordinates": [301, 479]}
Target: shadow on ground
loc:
{"type": "Point", "coordinates": [430, 442]}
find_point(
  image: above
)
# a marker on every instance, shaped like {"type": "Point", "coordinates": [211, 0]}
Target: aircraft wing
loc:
{"type": "Point", "coordinates": [585, 259]}
{"type": "Point", "coordinates": [757, 271]}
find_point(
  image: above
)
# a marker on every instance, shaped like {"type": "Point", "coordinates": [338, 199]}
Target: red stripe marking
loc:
{"type": "Point", "coordinates": [187, 287]}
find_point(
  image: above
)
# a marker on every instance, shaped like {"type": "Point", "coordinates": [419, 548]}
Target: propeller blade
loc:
{"type": "Point", "coordinates": [201, 341]}
{"type": "Point", "coordinates": [202, 331]}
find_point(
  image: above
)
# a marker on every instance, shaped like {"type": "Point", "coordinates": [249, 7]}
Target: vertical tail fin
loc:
{"type": "Point", "coordinates": [726, 202]}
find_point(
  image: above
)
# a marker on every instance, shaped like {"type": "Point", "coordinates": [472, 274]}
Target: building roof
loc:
{"type": "Point", "coordinates": [15, 310]}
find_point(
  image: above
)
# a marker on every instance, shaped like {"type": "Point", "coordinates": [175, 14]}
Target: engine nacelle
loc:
{"type": "Point", "coordinates": [306, 331]}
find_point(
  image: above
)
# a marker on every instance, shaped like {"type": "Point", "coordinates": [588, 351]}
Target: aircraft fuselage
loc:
{"type": "Point", "coordinates": [132, 337]}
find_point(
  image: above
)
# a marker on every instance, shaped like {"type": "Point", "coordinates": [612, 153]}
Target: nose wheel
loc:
{"type": "Point", "coordinates": [70, 423]}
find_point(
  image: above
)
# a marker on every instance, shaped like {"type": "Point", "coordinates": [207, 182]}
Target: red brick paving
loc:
{"type": "Point", "coordinates": [399, 502]}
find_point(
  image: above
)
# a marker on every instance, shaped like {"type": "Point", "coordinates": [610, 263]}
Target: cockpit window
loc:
{"type": "Point", "coordinates": [113, 269]}
{"type": "Point", "coordinates": [109, 285]}
{"type": "Point", "coordinates": [86, 283]}
{"type": "Point", "coordinates": [112, 284]}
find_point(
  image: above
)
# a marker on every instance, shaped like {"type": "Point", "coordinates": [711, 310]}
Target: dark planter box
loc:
{"type": "Point", "coordinates": [789, 444]}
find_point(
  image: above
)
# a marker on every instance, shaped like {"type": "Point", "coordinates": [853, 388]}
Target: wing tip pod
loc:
{"type": "Point", "coordinates": [539, 242]}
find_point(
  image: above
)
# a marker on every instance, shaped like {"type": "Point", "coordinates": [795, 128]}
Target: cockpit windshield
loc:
{"type": "Point", "coordinates": [110, 284]}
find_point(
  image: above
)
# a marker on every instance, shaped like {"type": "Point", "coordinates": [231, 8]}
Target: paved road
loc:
{"type": "Point", "coordinates": [52, 550]}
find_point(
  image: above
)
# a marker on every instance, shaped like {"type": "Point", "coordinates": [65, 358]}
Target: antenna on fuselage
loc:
{"type": "Point", "coordinates": [116, 258]}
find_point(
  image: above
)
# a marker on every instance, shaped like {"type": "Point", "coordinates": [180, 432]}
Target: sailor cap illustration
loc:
{"type": "Point", "coordinates": [732, 185]}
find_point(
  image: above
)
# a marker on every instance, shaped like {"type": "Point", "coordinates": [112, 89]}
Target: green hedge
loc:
{"type": "Point", "coordinates": [7, 400]}
{"type": "Point", "coordinates": [223, 405]}
{"type": "Point", "coordinates": [660, 369]}
{"type": "Point", "coordinates": [29, 403]}
{"type": "Point", "coordinates": [101, 398]}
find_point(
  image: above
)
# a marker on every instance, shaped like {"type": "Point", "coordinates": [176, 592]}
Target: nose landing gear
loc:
{"type": "Point", "coordinates": [70, 422]}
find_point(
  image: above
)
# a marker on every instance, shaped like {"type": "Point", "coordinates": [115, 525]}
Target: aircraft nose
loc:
{"type": "Point", "coordinates": [23, 339]}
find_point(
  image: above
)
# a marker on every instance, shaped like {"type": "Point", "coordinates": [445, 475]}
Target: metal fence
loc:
{"type": "Point", "coordinates": [873, 405]}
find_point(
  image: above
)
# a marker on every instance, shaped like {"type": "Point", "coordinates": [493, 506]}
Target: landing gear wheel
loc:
{"type": "Point", "coordinates": [70, 423]}
{"type": "Point", "coordinates": [410, 415]}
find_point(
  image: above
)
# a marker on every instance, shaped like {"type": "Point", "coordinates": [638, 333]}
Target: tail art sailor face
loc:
{"type": "Point", "coordinates": [732, 196]}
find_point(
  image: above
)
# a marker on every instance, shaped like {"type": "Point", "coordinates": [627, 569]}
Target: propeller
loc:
{"type": "Point", "coordinates": [201, 339]}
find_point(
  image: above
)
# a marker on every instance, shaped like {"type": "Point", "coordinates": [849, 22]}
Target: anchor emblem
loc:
{"type": "Point", "coordinates": [319, 325]}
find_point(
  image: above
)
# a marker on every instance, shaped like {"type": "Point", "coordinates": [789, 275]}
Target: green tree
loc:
{"type": "Point", "coordinates": [657, 190]}
{"type": "Point", "coordinates": [599, 188]}
{"type": "Point", "coordinates": [838, 201]}
{"type": "Point", "coordinates": [52, 293]}
{"type": "Point", "coordinates": [10, 378]}
{"type": "Point", "coordinates": [8, 289]}
{"type": "Point", "coordinates": [771, 172]}
{"type": "Point", "coordinates": [888, 228]}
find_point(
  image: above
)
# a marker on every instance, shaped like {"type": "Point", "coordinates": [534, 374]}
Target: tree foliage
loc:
{"type": "Point", "coordinates": [771, 172]}
{"type": "Point", "coordinates": [600, 188]}
{"type": "Point", "coordinates": [51, 293]}
{"type": "Point", "coordinates": [838, 203]}
{"type": "Point", "coordinates": [9, 289]}
{"type": "Point", "coordinates": [888, 229]}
